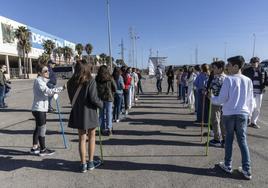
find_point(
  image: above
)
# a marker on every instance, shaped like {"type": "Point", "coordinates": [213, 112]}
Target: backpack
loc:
{"type": "Point", "coordinates": [105, 91]}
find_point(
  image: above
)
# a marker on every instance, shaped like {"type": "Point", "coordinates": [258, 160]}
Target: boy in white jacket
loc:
{"type": "Point", "coordinates": [236, 98]}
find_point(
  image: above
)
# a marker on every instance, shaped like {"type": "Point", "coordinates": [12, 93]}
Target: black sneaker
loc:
{"type": "Point", "coordinates": [225, 168]}
{"type": "Point", "coordinates": [93, 164]}
{"type": "Point", "coordinates": [215, 143]}
{"type": "Point", "coordinates": [223, 143]}
{"type": "Point", "coordinates": [83, 168]}
{"type": "Point", "coordinates": [255, 126]}
{"type": "Point", "coordinates": [46, 152]}
{"type": "Point", "coordinates": [35, 151]}
{"type": "Point", "coordinates": [246, 174]}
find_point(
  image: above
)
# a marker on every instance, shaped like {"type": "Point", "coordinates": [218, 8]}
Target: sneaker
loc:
{"type": "Point", "coordinates": [225, 168]}
{"type": "Point", "coordinates": [223, 143]}
{"type": "Point", "coordinates": [255, 126]}
{"type": "Point", "coordinates": [215, 143]}
{"type": "Point", "coordinates": [246, 174]}
{"type": "Point", "coordinates": [126, 113]}
{"type": "Point", "coordinates": [35, 151]}
{"type": "Point", "coordinates": [93, 164]}
{"type": "Point", "coordinates": [83, 168]}
{"type": "Point", "coordinates": [46, 152]}
{"type": "Point", "coordinates": [110, 132]}
{"type": "Point", "coordinates": [117, 121]}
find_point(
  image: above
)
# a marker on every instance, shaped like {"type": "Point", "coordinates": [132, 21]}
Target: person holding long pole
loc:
{"type": "Point", "coordinates": [40, 108]}
{"type": "Point", "coordinates": [236, 98]}
{"type": "Point", "coordinates": [82, 92]}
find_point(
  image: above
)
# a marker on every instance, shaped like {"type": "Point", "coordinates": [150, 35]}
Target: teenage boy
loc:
{"type": "Point", "coordinates": [259, 79]}
{"type": "Point", "coordinates": [216, 110]}
{"type": "Point", "coordinates": [236, 98]}
{"type": "Point", "coordinates": [3, 69]}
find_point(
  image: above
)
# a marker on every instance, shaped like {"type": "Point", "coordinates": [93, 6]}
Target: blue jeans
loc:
{"type": "Point", "coordinates": [159, 85]}
{"type": "Point", "coordinates": [118, 99]}
{"type": "Point", "coordinates": [106, 115]}
{"type": "Point", "coordinates": [236, 124]}
{"type": "Point", "coordinates": [2, 96]}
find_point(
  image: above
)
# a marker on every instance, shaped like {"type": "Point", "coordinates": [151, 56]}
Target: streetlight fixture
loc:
{"type": "Point", "coordinates": [109, 34]}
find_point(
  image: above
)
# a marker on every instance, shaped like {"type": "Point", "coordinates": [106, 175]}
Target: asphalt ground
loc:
{"type": "Point", "coordinates": [157, 145]}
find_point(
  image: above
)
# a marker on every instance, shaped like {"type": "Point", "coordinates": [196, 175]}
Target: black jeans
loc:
{"type": "Point", "coordinates": [170, 85]}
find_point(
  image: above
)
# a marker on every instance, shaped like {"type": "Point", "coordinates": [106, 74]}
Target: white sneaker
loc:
{"type": "Point", "coordinates": [246, 174]}
{"type": "Point", "coordinates": [117, 121]}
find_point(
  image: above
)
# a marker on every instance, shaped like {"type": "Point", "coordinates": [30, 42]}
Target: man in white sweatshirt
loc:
{"type": "Point", "coordinates": [236, 98]}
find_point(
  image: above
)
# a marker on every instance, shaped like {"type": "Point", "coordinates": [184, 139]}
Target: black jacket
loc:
{"type": "Point", "coordinates": [263, 78]}
{"type": "Point", "coordinates": [84, 112]}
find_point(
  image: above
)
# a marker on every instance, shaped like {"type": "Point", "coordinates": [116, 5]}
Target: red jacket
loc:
{"type": "Point", "coordinates": [127, 80]}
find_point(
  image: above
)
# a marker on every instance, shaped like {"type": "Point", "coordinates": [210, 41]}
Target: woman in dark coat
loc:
{"type": "Point", "coordinates": [84, 111]}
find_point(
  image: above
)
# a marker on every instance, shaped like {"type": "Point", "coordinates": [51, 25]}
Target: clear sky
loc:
{"type": "Point", "coordinates": [173, 27]}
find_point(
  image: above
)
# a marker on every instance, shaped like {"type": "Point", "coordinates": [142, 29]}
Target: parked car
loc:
{"type": "Point", "coordinates": [64, 72]}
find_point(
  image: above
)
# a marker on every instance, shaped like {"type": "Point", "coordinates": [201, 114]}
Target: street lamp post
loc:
{"type": "Point", "coordinates": [109, 33]}
{"type": "Point", "coordinates": [254, 41]}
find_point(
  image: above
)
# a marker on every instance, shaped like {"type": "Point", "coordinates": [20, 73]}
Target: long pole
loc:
{"type": "Point", "coordinates": [254, 41]}
{"type": "Point", "coordinates": [109, 34]}
{"type": "Point", "coordinates": [225, 49]}
{"type": "Point", "coordinates": [209, 122]}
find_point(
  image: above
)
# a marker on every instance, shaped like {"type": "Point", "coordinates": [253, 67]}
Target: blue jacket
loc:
{"type": "Point", "coordinates": [201, 81]}
{"type": "Point", "coordinates": [52, 77]}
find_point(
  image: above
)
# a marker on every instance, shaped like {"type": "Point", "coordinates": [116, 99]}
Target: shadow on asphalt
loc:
{"type": "Point", "coordinates": [8, 163]}
{"type": "Point", "coordinates": [162, 122]}
{"type": "Point", "coordinates": [128, 166]}
{"type": "Point", "coordinates": [15, 110]}
{"type": "Point", "coordinates": [139, 142]}
{"type": "Point", "coordinates": [146, 106]}
{"type": "Point", "coordinates": [151, 133]}
{"type": "Point", "coordinates": [161, 113]}
{"type": "Point", "coordinates": [22, 132]}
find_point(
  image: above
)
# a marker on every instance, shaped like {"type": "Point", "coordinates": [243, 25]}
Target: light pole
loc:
{"type": "Point", "coordinates": [109, 34]}
{"type": "Point", "coordinates": [254, 41]}
{"type": "Point", "coordinates": [225, 49]}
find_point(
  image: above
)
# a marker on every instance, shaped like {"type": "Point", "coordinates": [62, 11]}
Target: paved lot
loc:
{"type": "Point", "coordinates": [156, 146]}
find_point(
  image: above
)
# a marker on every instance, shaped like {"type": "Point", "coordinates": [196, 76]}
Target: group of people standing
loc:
{"type": "Point", "coordinates": [234, 94]}
{"type": "Point", "coordinates": [102, 99]}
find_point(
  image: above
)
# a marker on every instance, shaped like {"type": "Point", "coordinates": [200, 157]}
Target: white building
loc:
{"type": "Point", "coordinates": [10, 53]}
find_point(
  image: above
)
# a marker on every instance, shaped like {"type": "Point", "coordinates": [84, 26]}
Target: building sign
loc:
{"type": "Point", "coordinates": [8, 42]}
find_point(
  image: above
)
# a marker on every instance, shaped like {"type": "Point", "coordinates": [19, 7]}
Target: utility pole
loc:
{"type": "Point", "coordinates": [196, 55]}
{"type": "Point", "coordinates": [122, 49]}
{"type": "Point", "coordinates": [109, 34]}
{"type": "Point", "coordinates": [254, 41]}
{"type": "Point", "coordinates": [225, 49]}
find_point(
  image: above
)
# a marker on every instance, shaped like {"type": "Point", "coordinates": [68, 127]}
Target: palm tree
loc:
{"type": "Point", "coordinates": [23, 35]}
{"type": "Point", "coordinates": [109, 61]}
{"type": "Point", "coordinates": [59, 52]}
{"type": "Point", "coordinates": [103, 58]}
{"type": "Point", "coordinates": [67, 53]}
{"type": "Point", "coordinates": [89, 49]}
{"type": "Point", "coordinates": [49, 46]}
{"type": "Point", "coordinates": [44, 58]}
{"type": "Point", "coordinates": [79, 48]}
{"type": "Point", "coordinates": [28, 48]}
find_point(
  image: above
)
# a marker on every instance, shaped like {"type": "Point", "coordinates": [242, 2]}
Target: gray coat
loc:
{"type": "Point", "coordinates": [84, 112]}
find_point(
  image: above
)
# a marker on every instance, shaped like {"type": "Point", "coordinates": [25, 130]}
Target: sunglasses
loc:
{"type": "Point", "coordinates": [45, 71]}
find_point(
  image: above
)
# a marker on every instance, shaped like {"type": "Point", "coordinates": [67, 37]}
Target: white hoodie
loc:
{"type": "Point", "coordinates": [236, 95]}
{"type": "Point", "coordinates": [41, 93]}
